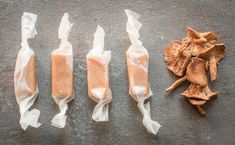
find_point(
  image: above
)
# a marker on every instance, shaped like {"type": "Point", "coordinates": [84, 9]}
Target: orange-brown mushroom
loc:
{"type": "Point", "coordinates": [196, 53]}
{"type": "Point", "coordinates": [178, 53]}
{"type": "Point", "coordinates": [199, 41]}
{"type": "Point", "coordinates": [177, 60]}
{"type": "Point", "coordinates": [195, 91]}
{"type": "Point", "coordinates": [200, 37]}
{"type": "Point", "coordinates": [213, 56]}
{"type": "Point", "coordinates": [196, 73]}
{"type": "Point", "coordinates": [198, 95]}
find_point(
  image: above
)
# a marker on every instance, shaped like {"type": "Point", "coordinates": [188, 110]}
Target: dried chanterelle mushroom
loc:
{"type": "Point", "coordinates": [213, 56]}
{"type": "Point", "coordinates": [196, 73]}
{"type": "Point", "coordinates": [195, 54]}
{"type": "Point", "coordinates": [178, 53]}
{"type": "Point", "coordinates": [198, 95]}
{"type": "Point", "coordinates": [176, 60]}
{"type": "Point", "coordinates": [199, 41]}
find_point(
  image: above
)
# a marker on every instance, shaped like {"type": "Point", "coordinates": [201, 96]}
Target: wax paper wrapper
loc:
{"type": "Point", "coordinates": [62, 72]}
{"type": "Point", "coordinates": [25, 80]}
{"type": "Point", "coordinates": [137, 65]}
{"type": "Point", "coordinates": [98, 77]}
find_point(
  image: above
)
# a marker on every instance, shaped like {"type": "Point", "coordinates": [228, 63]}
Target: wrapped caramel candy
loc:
{"type": "Point", "coordinates": [25, 82]}
{"type": "Point", "coordinates": [62, 72]}
{"type": "Point", "coordinates": [137, 65]}
{"type": "Point", "coordinates": [98, 76]}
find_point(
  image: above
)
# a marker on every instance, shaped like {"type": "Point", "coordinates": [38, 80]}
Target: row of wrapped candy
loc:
{"type": "Point", "coordinates": [26, 86]}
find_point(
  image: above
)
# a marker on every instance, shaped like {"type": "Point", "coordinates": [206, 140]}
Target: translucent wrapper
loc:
{"type": "Point", "coordinates": [25, 82]}
{"type": "Point", "coordinates": [137, 65]}
{"type": "Point", "coordinates": [98, 76]}
{"type": "Point", "coordinates": [62, 72]}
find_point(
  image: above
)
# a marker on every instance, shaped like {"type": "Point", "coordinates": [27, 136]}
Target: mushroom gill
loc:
{"type": "Point", "coordinates": [176, 60]}
{"type": "Point", "coordinates": [195, 91]}
{"type": "Point", "coordinates": [198, 95]}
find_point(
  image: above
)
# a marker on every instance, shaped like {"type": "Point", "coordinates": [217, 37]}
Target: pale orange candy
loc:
{"type": "Point", "coordinates": [62, 76]}
{"type": "Point", "coordinates": [97, 76]}
{"type": "Point", "coordinates": [137, 74]}
{"type": "Point", "coordinates": [26, 80]}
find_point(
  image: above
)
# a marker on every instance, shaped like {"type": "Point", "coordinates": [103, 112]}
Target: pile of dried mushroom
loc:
{"type": "Point", "coordinates": [190, 59]}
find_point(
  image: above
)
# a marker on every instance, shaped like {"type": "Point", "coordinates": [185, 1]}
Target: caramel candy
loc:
{"type": "Point", "coordinates": [137, 66]}
{"type": "Point", "coordinates": [97, 75]}
{"type": "Point", "coordinates": [62, 75]}
{"type": "Point", "coordinates": [62, 72]}
{"type": "Point", "coordinates": [138, 74]}
{"type": "Point", "coordinates": [26, 83]}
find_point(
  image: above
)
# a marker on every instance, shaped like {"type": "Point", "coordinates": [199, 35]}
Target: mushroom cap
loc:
{"type": "Point", "coordinates": [198, 95]}
{"type": "Point", "coordinates": [197, 102]}
{"type": "Point", "coordinates": [217, 51]}
{"type": "Point", "coordinates": [196, 72]}
{"type": "Point", "coordinates": [210, 36]}
{"type": "Point", "coordinates": [194, 36]}
{"type": "Point", "coordinates": [172, 49]}
{"type": "Point", "coordinates": [200, 41]}
{"type": "Point", "coordinates": [174, 59]}
{"type": "Point", "coordinates": [200, 37]}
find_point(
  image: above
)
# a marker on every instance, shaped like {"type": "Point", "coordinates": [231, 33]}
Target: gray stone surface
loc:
{"type": "Point", "coordinates": [163, 21]}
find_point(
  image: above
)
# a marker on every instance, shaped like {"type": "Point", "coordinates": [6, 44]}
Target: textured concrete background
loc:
{"type": "Point", "coordinates": [163, 21]}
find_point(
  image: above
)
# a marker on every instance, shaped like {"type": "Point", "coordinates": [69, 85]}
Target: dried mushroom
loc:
{"type": "Point", "coordinates": [201, 37]}
{"type": "Point", "coordinates": [213, 56]}
{"type": "Point", "coordinates": [198, 92]}
{"type": "Point", "coordinates": [178, 53]}
{"type": "Point", "coordinates": [198, 96]}
{"type": "Point", "coordinates": [176, 60]}
{"type": "Point", "coordinates": [196, 54]}
{"type": "Point", "coordinates": [196, 73]}
{"type": "Point", "coordinates": [199, 42]}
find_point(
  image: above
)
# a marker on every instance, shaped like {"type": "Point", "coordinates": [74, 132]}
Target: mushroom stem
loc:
{"type": "Point", "coordinates": [186, 62]}
{"type": "Point", "coordinates": [201, 110]}
{"type": "Point", "coordinates": [176, 84]}
{"type": "Point", "coordinates": [213, 68]}
{"type": "Point", "coordinates": [207, 65]}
